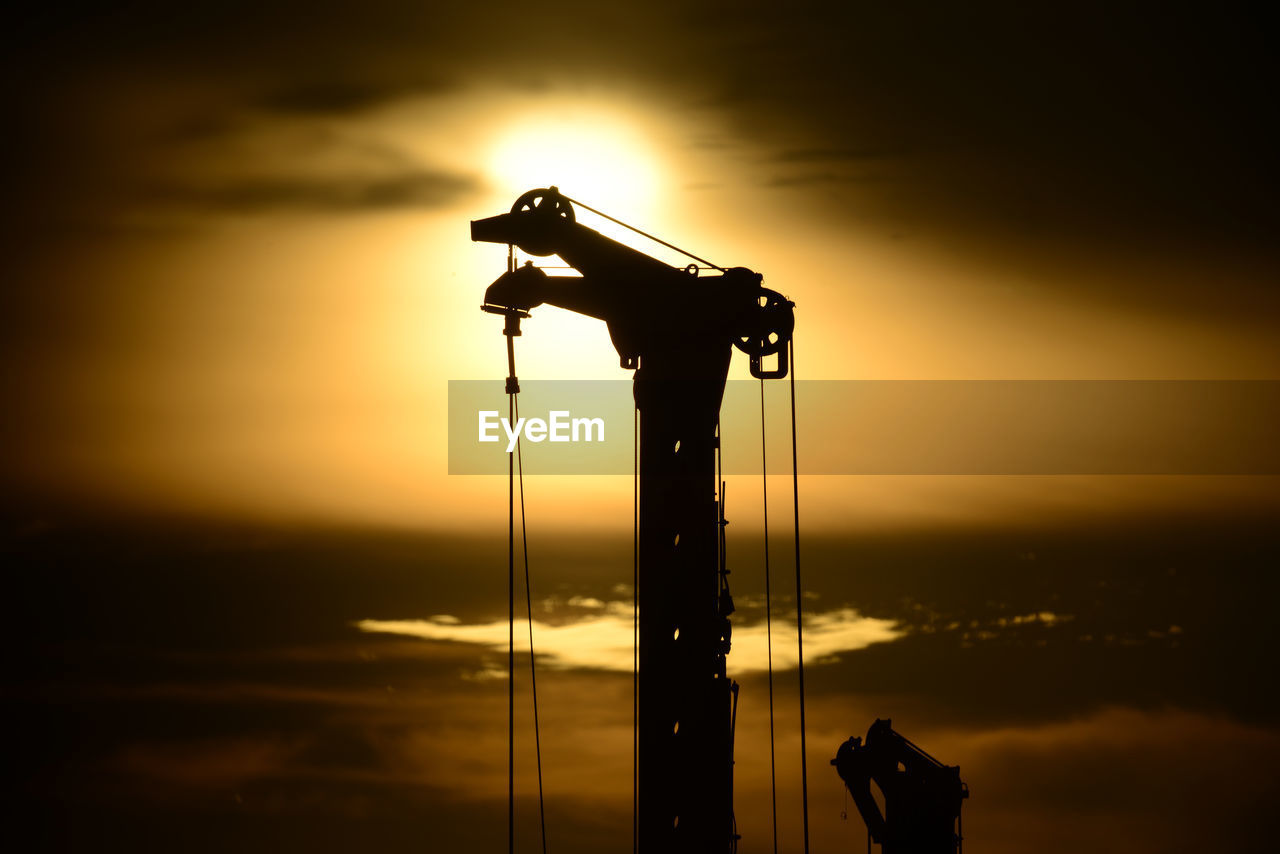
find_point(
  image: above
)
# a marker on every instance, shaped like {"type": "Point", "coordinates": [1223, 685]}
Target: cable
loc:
{"type": "Point", "coordinates": [511, 622]}
{"type": "Point", "coordinates": [510, 329]}
{"type": "Point", "coordinates": [528, 601]}
{"type": "Point", "coordinates": [795, 498]}
{"type": "Point", "coordinates": [684, 252]}
{"type": "Point", "coordinates": [635, 634]}
{"type": "Point", "coordinates": [768, 618]}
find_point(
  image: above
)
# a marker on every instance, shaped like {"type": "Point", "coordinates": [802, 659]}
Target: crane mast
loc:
{"type": "Point", "coordinates": [676, 329]}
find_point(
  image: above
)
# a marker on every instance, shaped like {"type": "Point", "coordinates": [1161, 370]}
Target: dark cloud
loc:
{"type": "Point", "coordinates": [1145, 615]}
{"type": "Point", "coordinates": [1103, 125]}
{"type": "Point", "coordinates": [1156, 112]}
{"type": "Point", "coordinates": [173, 676]}
{"type": "Point", "coordinates": [962, 597]}
{"type": "Point", "coordinates": [827, 155]}
{"type": "Point", "coordinates": [819, 179]}
{"type": "Point", "coordinates": [416, 189]}
{"type": "Point", "coordinates": [345, 95]}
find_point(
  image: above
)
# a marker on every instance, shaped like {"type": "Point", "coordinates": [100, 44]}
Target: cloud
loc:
{"type": "Point", "coordinates": [346, 95]}
{"type": "Point", "coordinates": [604, 641]}
{"type": "Point", "coordinates": [422, 188]}
{"type": "Point", "coordinates": [217, 692]}
{"type": "Point", "coordinates": [1010, 145]}
{"type": "Point", "coordinates": [827, 155]}
{"type": "Point", "coordinates": [1118, 771]}
{"type": "Point", "coordinates": [213, 763]}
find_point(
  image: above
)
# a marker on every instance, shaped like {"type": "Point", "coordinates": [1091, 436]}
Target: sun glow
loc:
{"type": "Point", "coordinates": [599, 160]}
{"type": "Point", "coordinates": [597, 156]}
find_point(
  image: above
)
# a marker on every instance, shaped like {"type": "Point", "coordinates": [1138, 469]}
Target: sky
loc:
{"type": "Point", "coordinates": [255, 610]}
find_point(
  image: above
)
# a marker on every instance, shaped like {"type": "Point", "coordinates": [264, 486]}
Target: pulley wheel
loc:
{"type": "Point", "coordinates": [769, 327]}
{"type": "Point", "coordinates": [546, 202]}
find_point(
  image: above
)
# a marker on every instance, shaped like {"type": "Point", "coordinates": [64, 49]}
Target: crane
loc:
{"type": "Point", "coordinates": [922, 797]}
{"type": "Point", "coordinates": [676, 329]}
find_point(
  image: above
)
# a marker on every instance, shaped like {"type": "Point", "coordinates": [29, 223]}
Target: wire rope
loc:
{"type": "Point", "coordinates": [511, 627]}
{"type": "Point", "coordinates": [768, 618]}
{"type": "Point", "coordinates": [635, 633]}
{"type": "Point", "coordinates": [795, 498]}
{"type": "Point", "coordinates": [528, 601]}
{"type": "Point", "coordinates": [646, 234]}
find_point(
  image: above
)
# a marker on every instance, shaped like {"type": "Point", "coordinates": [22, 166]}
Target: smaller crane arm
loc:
{"type": "Point", "coordinates": [922, 797]}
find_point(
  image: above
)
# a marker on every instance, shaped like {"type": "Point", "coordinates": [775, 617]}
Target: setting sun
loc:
{"type": "Point", "coordinates": [599, 160]}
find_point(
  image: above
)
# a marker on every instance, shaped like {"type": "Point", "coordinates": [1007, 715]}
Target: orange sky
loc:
{"type": "Point", "coordinates": [247, 358]}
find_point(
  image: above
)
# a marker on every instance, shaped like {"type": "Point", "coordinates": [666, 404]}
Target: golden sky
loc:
{"type": "Point", "coordinates": [242, 283]}
{"type": "Point", "coordinates": [272, 333]}
{"type": "Point", "coordinates": [238, 279]}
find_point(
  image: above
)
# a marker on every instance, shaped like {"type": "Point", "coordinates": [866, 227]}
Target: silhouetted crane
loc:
{"type": "Point", "coordinates": [922, 797]}
{"type": "Point", "coordinates": [676, 328]}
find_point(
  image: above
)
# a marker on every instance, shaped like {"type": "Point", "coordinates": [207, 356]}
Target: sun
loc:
{"type": "Point", "coordinates": [598, 159]}
{"type": "Point", "coordinates": [603, 158]}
